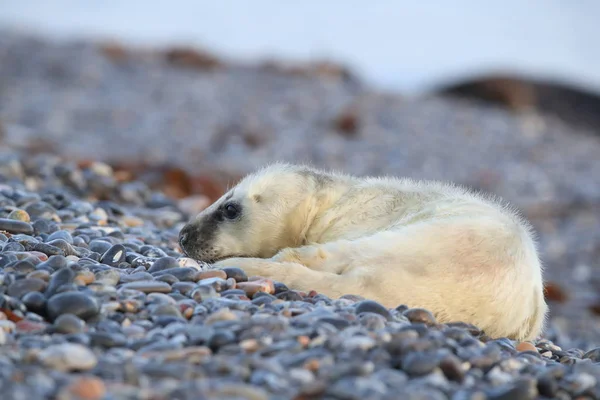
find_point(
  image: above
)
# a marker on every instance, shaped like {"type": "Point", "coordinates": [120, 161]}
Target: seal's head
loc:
{"type": "Point", "coordinates": [263, 213]}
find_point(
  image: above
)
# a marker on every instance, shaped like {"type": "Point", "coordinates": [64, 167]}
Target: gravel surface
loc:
{"type": "Point", "coordinates": [97, 302]}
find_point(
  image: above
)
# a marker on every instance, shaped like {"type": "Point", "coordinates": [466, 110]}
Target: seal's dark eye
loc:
{"type": "Point", "coordinates": [230, 211]}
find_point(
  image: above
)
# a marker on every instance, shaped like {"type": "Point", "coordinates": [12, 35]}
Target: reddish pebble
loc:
{"type": "Point", "coordinates": [87, 388]}
{"type": "Point", "coordinates": [303, 340]}
{"type": "Point", "coordinates": [526, 346]}
{"type": "Point", "coordinates": [253, 287]}
{"type": "Point", "coordinates": [216, 273]}
{"type": "Point", "coordinates": [187, 310]}
{"type": "Point", "coordinates": [86, 276]}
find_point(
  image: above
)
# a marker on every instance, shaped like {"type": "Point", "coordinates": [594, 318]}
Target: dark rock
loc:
{"type": "Point", "coordinates": [79, 304]}
{"type": "Point", "coordinates": [114, 256]}
{"type": "Point", "coordinates": [35, 302]}
{"type": "Point", "coordinates": [373, 307]}
{"type": "Point", "coordinates": [14, 226]}
{"type": "Point", "coordinates": [163, 263]}
{"type": "Point", "coordinates": [63, 276]}
{"type": "Point", "coordinates": [236, 273]}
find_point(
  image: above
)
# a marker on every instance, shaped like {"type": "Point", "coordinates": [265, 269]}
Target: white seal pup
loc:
{"type": "Point", "coordinates": [424, 244]}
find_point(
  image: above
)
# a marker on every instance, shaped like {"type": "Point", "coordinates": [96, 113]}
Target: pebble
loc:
{"type": "Point", "coordinates": [77, 303]}
{"type": "Point", "coordinates": [23, 286]}
{"type": "Point", "coordinates": [372, 307]}
{"type": "Point", "coordinates": [254, 287]}
{"type": "Point", "coordinates": [163, 263]}
{"type": "Point", "coordinates": [68, 357]}
{"type": "Point", "coordinates": [68, 323]}
{"type": "Point", "coordinates": [526, 346]}
{"type": "Point", "coordinates": [15, 226]}
{"type": "Point", "coordinates": [108, 277]}
{"type": "Point", "coordinates": [114, 255]}
{"type": "Point", "coordinates": [19, 215]}
{"type": "Point", "coordinates": [148, 286]}
{"type": "Point", "coordinates": [84, 388]}
{"type": "Point", "coordinates": [420, 315]}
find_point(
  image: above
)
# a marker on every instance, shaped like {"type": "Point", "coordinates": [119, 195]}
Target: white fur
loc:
{"type": "Point", "coordinates": [423, 244]}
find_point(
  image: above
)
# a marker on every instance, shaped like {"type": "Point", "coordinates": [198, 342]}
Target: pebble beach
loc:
{"type": "Point", "coordinates": [97, 301]}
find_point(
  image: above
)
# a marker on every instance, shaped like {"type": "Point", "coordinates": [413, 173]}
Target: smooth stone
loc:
{"type": "Point", "coordinates": [23, 286]}
{"type": "Point", "coordinates": [49, 249]}
{"type": "Point", "coordinates": [280, 287]}
{"type": "Point", "coordinates": [63, 235]}
{"type": "Point", "coordinates": [136, 277]}
{"type": "Point", "coordinates": [40, 210]}
{"type": "Point", "coordinates": [289, 295]}
{"type": "Point", "coordinates": [189, 262]}
{"type": "Point", "coordinates": [99, 246]}
{"type": "Point", "coordinates": [68, 323]}
{"type": "Point", "coordinates": [63, 276]}
{"type": "Point", "coordinates": [236, 273]}
{"type": "Point", "coordinates": [166, 309]}
{"type": "Point", "coordinates": [148, 286]}
{"type": "Point", "coordinates": [159, 298]}
{"type": "Point", "coordinates": [452, 368]}
{"type": "Point", "coordinates": [108, 339]}
{"type": "Point", "coordinates": [40, 274]}
{"type": "Point", "coordinates": [184, 288]}
{"type": "Point", "coordinates": [77, 303]}
{"type": "Point", "coordinates": [68, 357]}
{"type": "Point", "coordinates": [114, 256]}
{"type": "Point", "coordinates": [15, 227]}
{"type": "Point", "coordinates": [254, 287]}
{"type": "Point", "coordinates": [19, 215]}
{"type": "Point", "coordinates": [24, 267]}
{"type": "Point", "coordinates": [163, 264]}
{"type": "Point", "coordinates": [13, 246]}
{"type": "Point", "coordinates": [218, 284]}
{"type": "Point", "coordinates": [183, 274]}
{"type": "Point", "coordinates": [168, 278]}
{"type": "Point", "coordinates": [204, 292]}
{"type": "Point", "coordinates": [55, 262]}
{"type": "Point", "coordinates": [216, 273]}
{"type": "Point", "coordinates": [372, 307]}
{"type": "Point", "coordinates": [108, 277]}
{"type": "Point", "coordinates": [420, 315]}
{"type": "Point", "coordinates": [84, 388]}
{"type": "Point", "coordinates": [63, 245]}
{"type": "Point", "coordinates": [35, 302]}
{"type": "Point", "coordinates": [419, 363]}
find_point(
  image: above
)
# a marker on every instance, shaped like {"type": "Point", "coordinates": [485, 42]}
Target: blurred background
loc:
{"type": "Point", "coordinates": [188, 96]}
